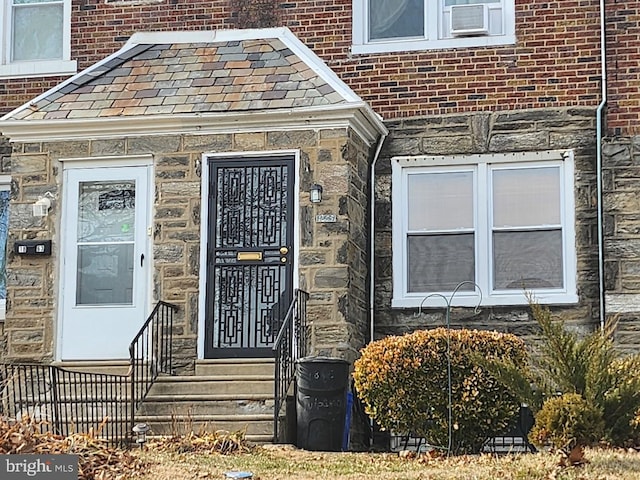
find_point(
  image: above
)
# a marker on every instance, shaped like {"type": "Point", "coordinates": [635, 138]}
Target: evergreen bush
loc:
{"type": "Point", "coordinates": [589, 366]}
{"type": "Point", "coordinates": [567, 421]}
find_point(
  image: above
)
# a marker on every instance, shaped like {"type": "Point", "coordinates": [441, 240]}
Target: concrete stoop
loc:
{"type": "Point", "coordinates": [233, 395]}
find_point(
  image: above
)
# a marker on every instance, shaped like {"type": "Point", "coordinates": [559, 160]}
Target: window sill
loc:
{"type": "Point", "coordinates": [470, 299]}
{"type": "Point", "coordinates": [412, 45]}
{"type": "Point", "coordinates": [39, 69]}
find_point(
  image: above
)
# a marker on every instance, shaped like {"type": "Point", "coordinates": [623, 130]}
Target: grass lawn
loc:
{"type": "Point", "coordinates": [280, 463]}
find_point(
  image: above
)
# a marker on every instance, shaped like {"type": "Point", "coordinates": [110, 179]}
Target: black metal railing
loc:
{"type": "Point", "coordinates": [291, 344]}
{"type": "Point", "coordinates": [150, 353]}
{"type": "Point", "coordinates": [63, 402]}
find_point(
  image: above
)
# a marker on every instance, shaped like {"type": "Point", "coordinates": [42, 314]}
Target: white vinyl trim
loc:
{"type": "Point", "coordinates": [36, 68]}
{"type": "Point", "coordinates": [433, 37]}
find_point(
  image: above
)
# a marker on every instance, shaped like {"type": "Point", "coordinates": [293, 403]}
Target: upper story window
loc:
{"type": "Point", "coordinates": [501, 222]}
{"type": "Point", "coordinates": [400, 25]}
{"type": "Point", "coordinates": [36, 38]}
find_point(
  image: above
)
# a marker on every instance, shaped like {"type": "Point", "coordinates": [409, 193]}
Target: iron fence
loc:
{"type": "Point", "coordinates": [150, 353]}
{"type": "Point", "coordinates": [63, 401]}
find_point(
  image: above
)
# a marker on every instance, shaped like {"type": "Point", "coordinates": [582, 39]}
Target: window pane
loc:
{"type": "Point", "coordinates": [438, 263]}
{"type": "Point", "coordinates": [527, 260]}
{"type": "Point", "coordinates": [526, 197]}
{"type": "Point", "coordinates": [106, 211]}
{"type": "Point", "coordinates": [37, 32]}
{"type": "Point", "coordinates": [105, 274]}
{"type": "Point", "coordinates": [396, 18]}
{"type": "Point", "coordinates": [440, 201]}
{"type": "Point", "coordinates": [4, 226]}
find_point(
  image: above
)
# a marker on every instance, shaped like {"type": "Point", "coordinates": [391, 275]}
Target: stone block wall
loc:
{"type": "Point", "coordinates": [497, 132]}
{"type": "Point", "coordinates": [332, 256]}
{"type": "Point", "coordinates": [31, 299]}
{"type": "Point", "coordinates": [339, 276]}
{"type": "Point", "coordinates": [621, 191]}
{"type": "Point", "coordinates": [5, 155]}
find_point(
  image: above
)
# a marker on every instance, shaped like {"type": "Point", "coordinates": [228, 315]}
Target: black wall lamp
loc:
{"type": "Point", "coordinates": [315, 193]}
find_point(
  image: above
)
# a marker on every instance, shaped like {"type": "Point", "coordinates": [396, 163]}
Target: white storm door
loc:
{"type": "Point", "coordinates": [105, 258]}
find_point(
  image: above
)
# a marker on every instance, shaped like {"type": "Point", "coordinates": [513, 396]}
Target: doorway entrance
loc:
{"type": "Point", "coordinates": [249, 271]}
{"type": "Point", "coordinates": [105, 257]}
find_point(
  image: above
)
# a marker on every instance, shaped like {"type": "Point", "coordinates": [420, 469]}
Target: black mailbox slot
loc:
{"type": "Point", "coordinates": [32, 247]}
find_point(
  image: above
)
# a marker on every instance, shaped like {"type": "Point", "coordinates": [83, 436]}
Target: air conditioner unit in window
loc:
{"type": "Point", "coordinates": [469, 19]}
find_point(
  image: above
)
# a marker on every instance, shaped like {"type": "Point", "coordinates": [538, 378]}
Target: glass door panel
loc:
{"type": "Point", "coordinates": [106, 235]}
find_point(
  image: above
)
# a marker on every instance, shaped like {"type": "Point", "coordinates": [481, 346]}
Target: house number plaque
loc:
{"type": "Point", "coordinates": [327, 218]}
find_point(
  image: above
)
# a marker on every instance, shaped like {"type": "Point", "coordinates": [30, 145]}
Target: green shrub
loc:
{"type": "Point", "coordinates": [567, 421]}
{"type": "Point", "coordinates": [402, 381]}
{"type": "Point", "coordinates": [589, 366]}
{"type": "Point", "coordinates": [620, 401]}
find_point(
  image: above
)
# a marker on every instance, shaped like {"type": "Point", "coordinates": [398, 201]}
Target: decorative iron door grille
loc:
{"type": "Point", "coordinates": [249, 254]}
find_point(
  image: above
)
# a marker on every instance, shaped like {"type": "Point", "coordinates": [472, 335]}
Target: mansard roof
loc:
{"type": "Point", "coordinates": [202, 74]}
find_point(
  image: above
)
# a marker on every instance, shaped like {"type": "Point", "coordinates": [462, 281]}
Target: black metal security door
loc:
{"type": "Point", "coordinates": [249, 257]}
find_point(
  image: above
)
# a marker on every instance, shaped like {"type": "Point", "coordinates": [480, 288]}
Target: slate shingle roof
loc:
{"type": "Point", "coordinates": [182, 78]}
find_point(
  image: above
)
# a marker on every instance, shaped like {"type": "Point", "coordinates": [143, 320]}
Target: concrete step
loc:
{"type": "Point", "coordinates": [113, 367]}
{"type": "Point", "coordinates": [230, 394]}
{"type": "Point", "coordinates": [213, 385]}
{"type": "Point", "coordinates": [251, 425]}
{"type": "Point", "coordinates": [207, 404]}
{"type": "Point", "coordinates": [235, 367]}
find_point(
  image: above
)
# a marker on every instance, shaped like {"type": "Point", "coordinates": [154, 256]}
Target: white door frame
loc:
{"type": "Point", "coordinates": [146, 274]}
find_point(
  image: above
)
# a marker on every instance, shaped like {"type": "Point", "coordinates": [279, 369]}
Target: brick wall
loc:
{"type": "Point", "coordinates": [555, 62]}
{"type": "Point", "coordinates": [623, 53]}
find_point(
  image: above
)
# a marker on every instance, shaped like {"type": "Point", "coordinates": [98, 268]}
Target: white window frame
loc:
{"type": "Point", "coordinates": [433, 31]}
{"type": "Point", "coordinates": [34, 68]}
{"type": "Point", "coordinates": [482, 165]}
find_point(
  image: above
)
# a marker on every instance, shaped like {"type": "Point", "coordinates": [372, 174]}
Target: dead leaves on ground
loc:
{"type": "Point", "coordinates": [96, 459]}
{"type": "Point", "coordinates": [220, 441]}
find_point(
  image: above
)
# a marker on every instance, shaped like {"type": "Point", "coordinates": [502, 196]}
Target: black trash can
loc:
{"type": "Point", "coordinates": [321, 402]}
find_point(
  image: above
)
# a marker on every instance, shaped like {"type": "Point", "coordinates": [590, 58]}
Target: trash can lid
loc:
{"type": "Point", "coordinates": [321, 359]}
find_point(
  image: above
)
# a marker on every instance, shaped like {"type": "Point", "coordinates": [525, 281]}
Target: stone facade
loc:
{"type": "Point", "coordinates": [543, 91]}
{"type": "Point", "coordinates": [499, 132]}
{"type": "Point", "coordinates": [332, 256]}
{"type": "Point", "coordinates": [621, 189]}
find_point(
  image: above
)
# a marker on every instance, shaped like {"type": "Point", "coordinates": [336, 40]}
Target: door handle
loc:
{"type": "Point", "coordinates": [141, 259]}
